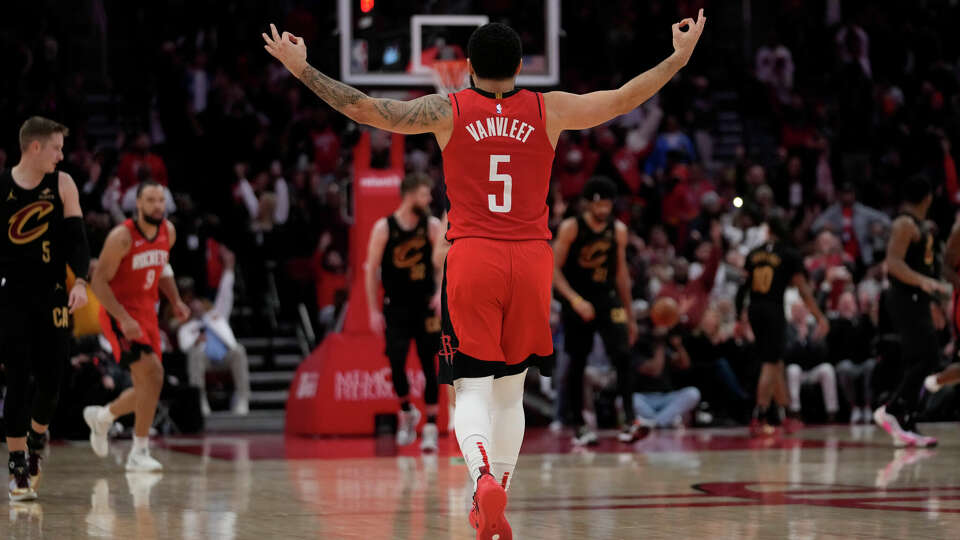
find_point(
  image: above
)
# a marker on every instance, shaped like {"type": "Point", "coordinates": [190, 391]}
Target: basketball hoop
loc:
{"type": "Point", "coordinates": [450, 75]}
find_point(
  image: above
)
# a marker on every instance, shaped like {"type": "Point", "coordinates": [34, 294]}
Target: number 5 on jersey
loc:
{"type": "Point", "coordinates": [495, 176]}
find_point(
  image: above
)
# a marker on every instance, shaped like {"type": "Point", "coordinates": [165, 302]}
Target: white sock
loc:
{"type": "Point", "coordinates": [472, 421]}
{"type": "Point", "coordinates": [104, 415]}
{"type": "Point", "coordinates": [508, 426]}
{"type": "Point", "coordinates": [141, 444]}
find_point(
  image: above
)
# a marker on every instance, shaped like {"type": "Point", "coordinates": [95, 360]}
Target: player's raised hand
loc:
{"type": "Point", "coordinates": [287, 48]}
{"type": "Point", "coordinates": [685, 42]}
{"type": "Point", "coordinates": [78, 296]}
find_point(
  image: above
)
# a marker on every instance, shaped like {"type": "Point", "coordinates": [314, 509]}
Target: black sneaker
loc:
{"type": "Point", "coordinates": [19, 486]}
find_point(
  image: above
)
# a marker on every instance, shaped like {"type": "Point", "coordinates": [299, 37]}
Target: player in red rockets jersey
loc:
{"type": "Point", "coordinates": [497, 166]}
{"type": "Point", "coordinates": [132, 270]}
{"type": "Point", "coordinates": [498, 144]}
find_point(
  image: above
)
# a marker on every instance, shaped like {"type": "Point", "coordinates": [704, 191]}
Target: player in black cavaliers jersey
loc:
{"type": "Point", "coordinates": [401, 248]}
{"type": "Point", "coordinates": [40, 209]}
{"type": "Point", "coordinates": [770, 269]}
{"type": "Point", "coordinates": [591, 275]}
{"type": "Point", "coordinates": [911, 268]}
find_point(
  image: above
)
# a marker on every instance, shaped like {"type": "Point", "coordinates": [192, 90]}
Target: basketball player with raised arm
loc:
{"type": "Point", "coordinates": [40, 208]}
{"type": "Point", "coordinates": [911, 268]}
{"type": "Point", "coordinates": [133, 267]}
{"type": "Point", "coordinates": [497, 143]}
{"type": "Point", "coordinates": [401, 251]}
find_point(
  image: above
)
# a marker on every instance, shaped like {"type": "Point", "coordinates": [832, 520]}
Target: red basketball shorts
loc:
{"type": "Point", "coordinates": [126, 351]}
{"type": "Point", "coordinates": [496, 308]}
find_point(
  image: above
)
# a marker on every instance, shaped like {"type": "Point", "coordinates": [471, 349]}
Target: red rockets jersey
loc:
{"type": "Point", "coordinates": [136, 282]}
{"type": "Point", "coordinates": [497, 165]}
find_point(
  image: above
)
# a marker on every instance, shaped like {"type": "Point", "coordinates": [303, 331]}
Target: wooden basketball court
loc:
{"type": "Point", "coordinates": [831, 482]}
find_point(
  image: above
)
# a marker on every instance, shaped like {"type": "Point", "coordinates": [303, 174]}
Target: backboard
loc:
{"type": "Point", "coordinates": [391, 43]}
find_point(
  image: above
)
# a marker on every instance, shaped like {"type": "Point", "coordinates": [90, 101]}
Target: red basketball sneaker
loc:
{"type": "Point", "coordinates": [489, 502]}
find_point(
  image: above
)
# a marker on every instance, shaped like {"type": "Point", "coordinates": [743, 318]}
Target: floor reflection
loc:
{"type": "Point", "coordinates": [820, 482]}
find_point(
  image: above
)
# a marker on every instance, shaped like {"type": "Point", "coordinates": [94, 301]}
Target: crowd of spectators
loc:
{"type": "Point", "coordinates": [815, 119]}
{"type": "Point", "coordinates": [829, 129]}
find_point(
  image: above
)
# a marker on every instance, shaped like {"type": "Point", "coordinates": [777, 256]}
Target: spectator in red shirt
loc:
{"type": "Point", "coordinates": [137, 158]}
{"type": "Point", "coordinates": [828, 255]}
{"type": "Point", "coordinates": [326, 144]}
{"type": "Point", "coordinates": [682, 203]}
{"type": "Point", "coordinates": [573, 173]}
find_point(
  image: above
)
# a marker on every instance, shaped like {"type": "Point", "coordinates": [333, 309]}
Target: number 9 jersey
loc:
{"type": "Point", "coordinates": [136, 286]}
{"type": "Point", "coordinates": [497, 166]}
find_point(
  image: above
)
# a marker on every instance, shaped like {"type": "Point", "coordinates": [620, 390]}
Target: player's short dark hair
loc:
{"type": "Point", "coordinates": [778, 227]}
{"type": "Point", "coordinates": [916, 188]}
{"type": "Point", "coordinates": [600, 188]}
{"type": "Point", "coordinates": [144, 184]}
{"type": "Point", "coordinates": [38, 128]}
{"type": "Point", "coordinates": [413, 181]}
{"type": "Point", "coordinates": [494, 51]}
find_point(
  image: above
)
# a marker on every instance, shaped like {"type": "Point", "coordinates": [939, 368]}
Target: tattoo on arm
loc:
{"type": "Point", "coordinates": [414, 116]}
{"type": "Point", "coordinates": [425, 111]}
{"type": "Point", "coordinates": [334, 92]}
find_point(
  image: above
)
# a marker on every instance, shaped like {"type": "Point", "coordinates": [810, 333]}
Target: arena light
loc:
{"type": "Point", "coordinates": [366, 6]}
{"type": "Point", "coordinates": [737, 202]}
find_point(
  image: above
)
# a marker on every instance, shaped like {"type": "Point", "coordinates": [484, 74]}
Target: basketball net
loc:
{"type": "Point", "coordinates": [450, 75]}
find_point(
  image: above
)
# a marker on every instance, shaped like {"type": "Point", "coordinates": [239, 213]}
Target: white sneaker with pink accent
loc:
{"type": "Point", "coordinates": [922, 441]}
{"type": "Point", "coordinates": [900, 436]}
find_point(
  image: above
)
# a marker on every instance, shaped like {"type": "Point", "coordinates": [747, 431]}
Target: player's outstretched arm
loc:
{"type": "Point", "coordinates": [566, 234]}
{"type": "Point", "coordinates": [624, 283]}
{"type": "Point", "coordinates": [901, 234]}
{"type": "Point", "coordinates": [168, 282]}
{"type": "Point", "coordinates": [574, 111]}
{"type": "Point", "coordinates": [799, 281]}
{"type": "Point", "coordinates": [115, 247]}
{"type": "Point", "coordinates": [75, 236]}
{"type": "Point", "coordinates": [371, 279]}
{"type": "Point", "coordinates": [427, 114]}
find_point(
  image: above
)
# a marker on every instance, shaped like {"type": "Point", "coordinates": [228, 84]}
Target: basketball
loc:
{"type": "Point", "coordinates": [665, 312]}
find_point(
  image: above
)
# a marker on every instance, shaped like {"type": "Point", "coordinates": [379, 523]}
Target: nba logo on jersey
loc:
{"type": "Point", "coordinates": [499, 108]}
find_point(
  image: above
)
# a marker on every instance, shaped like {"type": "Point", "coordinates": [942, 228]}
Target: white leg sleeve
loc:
{"type": "Point", "coordinates": [472, 422]}
{"type": "Point", "coordinates": [508, 426]}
